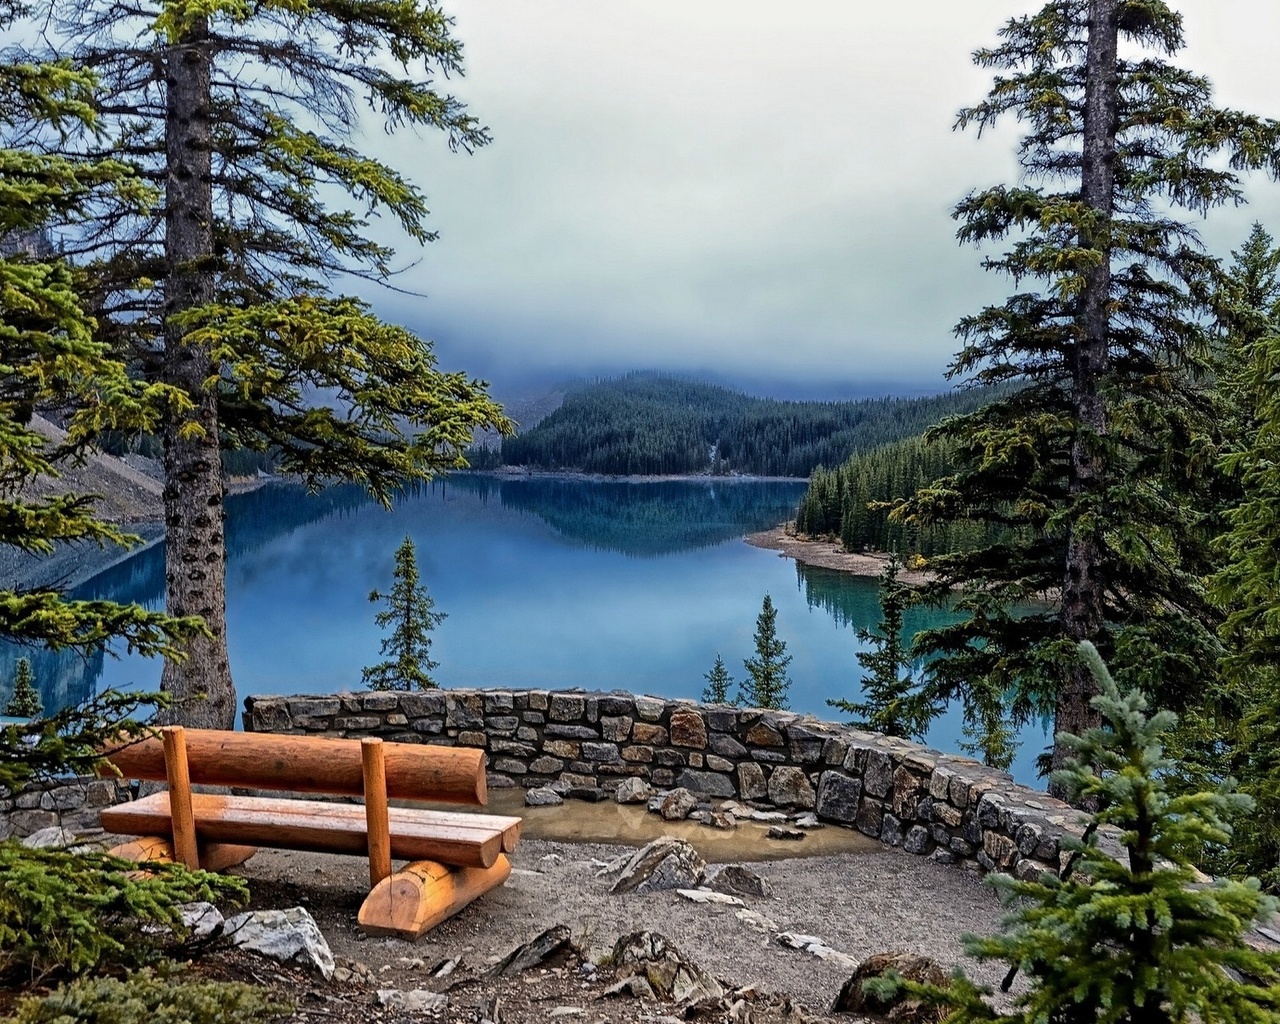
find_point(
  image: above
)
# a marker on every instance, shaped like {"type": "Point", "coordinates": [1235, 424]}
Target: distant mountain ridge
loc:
{"type": "Point", "coordinates": [651, 424]}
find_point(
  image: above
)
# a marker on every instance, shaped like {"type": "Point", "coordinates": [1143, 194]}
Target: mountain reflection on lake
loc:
{"type": "Point", "coordinates": [546, 582]}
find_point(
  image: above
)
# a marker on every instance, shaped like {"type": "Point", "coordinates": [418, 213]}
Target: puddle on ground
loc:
{"type": "Point", "coordinates": [577, 821]}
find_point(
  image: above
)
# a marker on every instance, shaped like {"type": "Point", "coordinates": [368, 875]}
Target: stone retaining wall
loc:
{"type": "Point", "coordinates": [71, 803]}
{"type": "Point", "coordinates": [950, 808]}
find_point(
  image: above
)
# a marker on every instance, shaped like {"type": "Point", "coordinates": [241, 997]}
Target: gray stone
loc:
{"type": "Point", "coordinates": [24, 823]}
{"type": "Point", "coordinates": [311, 707]}
{"type": "Point", "coordinates": [790, 787]}
{"type": "Point", "coordinates": [678, 804]}
{"type": "Point", "coordinates": [751, 785]}
{"type": "Point", "coordinates": [900, 1007]}
{"type": "Point", "coordinates": [719, 764]}
{"type": "Point", "coordinates": [721, 820]}
{"type": "Point", "coordinates": [546, 765]}
{"type": "Point", "coordinates": [783, 832]}
{"type": "Point", "coordinates": [573, 732]}
{"type": "Point", "coordinates": [667, 971]}
{"type": "Point", "coordinates": [63, 798]}
{"type": "Point", "coordinates": [877, 776]}
{"type": "Point", "coordinates": [918, 840]}
{"type": "Point", "coordinates": [503, 723]}
{"type": "Point", "coordinates": [665, 863]}
{"type": "Point", "coordinates": [607, 752]}
{"type": "Point", "coordinates": [542, 797]}
{"type": "Point", "coordinates": [619, 703]}
{"type": "Point", "coordinates": [616, 729]}
{"type": "Point", "coordinates": [709, 783]}
{"type": "Point", "coordinates": [566, 708]}
{"type": "Point", "coordinates": [510, 765]}
{"type": "Point", "coordinates": [632, 790]}
{"type": "Point", "coordinates": [650, 708]}
{"type": "Point", "coordinates": [285, 935]}
{"type": "Point", "coordinates": [726, 746]}
{"type": "Point", "coordinates": [420, 705]}
{"type": "Point", "coordinates": [838, 797]}
{"type": "Point", "coordinates": [891, 830]}
{"type": "Point", "coordinates": [737, 881]}
{"type": "Point", "coordinates": [417, 1000]}
{"type": "Point", "coordinates": [379, 701]}
{"type": "Point", "coordinates": [497, 703]}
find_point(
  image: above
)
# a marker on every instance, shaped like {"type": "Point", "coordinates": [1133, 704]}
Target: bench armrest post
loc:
{"type": "Point", "coordinates": [185, 848]}
{"type": "Point", "coordinates": [377, 824]}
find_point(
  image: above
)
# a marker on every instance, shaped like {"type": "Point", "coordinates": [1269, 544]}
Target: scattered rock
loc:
{"type": "Point", "coordinates": [614, 866]}
{"type": "Point", "coordinates": [808, 821]}
{"type": "Point", "coordinates": [566, 1011]}
{"type": "Point", "coordinates": [201, 920]}
{"type": "Point", "coordinates": [554, 942]}
{"type": "Point", "coordinates": [782, 832]}
{"type": "Point", "coordinates": [445, 967]}
{"type": "Point", "coordinates": [417, 1000]}
{"type": "Point", "coordinates": [55, 837]}
{"type": "Point", "coordinates": [814, 946]}
{"type": "Point", "coordinates": [633, 791]}
{"type": "Point", "coordinates": [754, 919]}
{"type": "Point", "coordinates": [286, 935]}
{"type": "Point", "coordinates": [669, 973]}
{"type": "Point", "coordinates": [678, 805]}
{"type": "Point", "coordinates": [768, 816]}
{"type": "Point", "coordinates": [737, 881]}
{"type": "Point", "coordinates": [705, 896]}
{"type": "Point", "coordinates": [666, 863]}
{"type": "Point", "coordinates": [722, 820]}
{"type": "Point", "coordinates": [634, 986]}
{"type": "Point", "coordinates": [543, 796]}
{"type": "Point", "coordinates": [911, 967]}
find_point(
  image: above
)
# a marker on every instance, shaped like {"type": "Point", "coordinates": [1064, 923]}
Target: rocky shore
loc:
{"type": "Point", "coordinates": [828, 554]}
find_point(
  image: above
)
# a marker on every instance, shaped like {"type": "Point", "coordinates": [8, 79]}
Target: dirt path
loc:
{"type": "Point", "coordinates": [857, 903]}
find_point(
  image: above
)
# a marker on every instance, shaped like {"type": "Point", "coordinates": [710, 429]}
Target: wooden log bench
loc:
{"type": "Point", "coordinates": [452, 857]}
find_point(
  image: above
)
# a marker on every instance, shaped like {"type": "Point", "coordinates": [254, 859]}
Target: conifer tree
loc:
{"type": "Point", "coordinates": [1133, 938]}
{"type": "Point", "coordinates": [891, 704]}
{"type": "Point", "coordinates": [1089, 459]}
{"type": "Point", "coordinates": [767, 681]}
{"type": "Point", "coordinates": [718, 684]}
{"type": "Point", "coordinates": [244, 117]}
{"type": "Point", "coordinates": [411, 615]}
{"type": "Point", "coordinates": [25, 702]}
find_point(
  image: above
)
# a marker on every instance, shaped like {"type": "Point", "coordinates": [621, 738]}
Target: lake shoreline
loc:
{"type": "Point", "coordinates": [519, 473]}
{"type": "Point", "coordinates": [827, 554]}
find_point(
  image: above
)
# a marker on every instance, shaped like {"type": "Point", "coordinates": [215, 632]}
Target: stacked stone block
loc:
{"type": "Point", "coordinates": [950, 808]}
{"type": "Point", "coordinates": [71, 803]}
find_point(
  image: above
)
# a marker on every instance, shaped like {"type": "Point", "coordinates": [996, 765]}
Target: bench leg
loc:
{"type": "Point", "coordinates": [422, 894]}
{"type": "Point", "coordinates": [213, 856]}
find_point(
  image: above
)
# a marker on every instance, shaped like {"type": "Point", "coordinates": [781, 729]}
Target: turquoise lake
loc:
{"type": "Point", "coordinates": [546, 583]}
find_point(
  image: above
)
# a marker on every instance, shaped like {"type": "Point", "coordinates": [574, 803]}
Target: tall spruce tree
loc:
{"type": "Point", "coordinates": [1089, 461]}
{"type": "Point", "coordinates": [1128, 936]}
{"type": "Point", "coordinates": [243, 116]}
{"type": "Point", "coordinates": [767, 681]}
{"type": "Point", "coordinates": [891, 703]}
{"type": "Point", "coordinates": [411, 616]}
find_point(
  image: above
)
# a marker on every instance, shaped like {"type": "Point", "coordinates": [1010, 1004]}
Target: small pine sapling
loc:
{"type": "Point", "coordinates": [892, 703]}
{"type": "Point", "coordinates": [767, 681]}
{"type": "Point", "coordinates": [1131, 937]}
{"type": "Point", "coordinates": [718, 683]}
{"type": "Point", "coordinates": [411, 615]}
{"type": "Point", "coordinates": [25, 702]}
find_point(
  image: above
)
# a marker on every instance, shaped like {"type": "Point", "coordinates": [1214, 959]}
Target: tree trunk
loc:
{"type": "Point", "coordinates": [1083, 586]}
{"type": "Point", "coordinates": [195, 549]}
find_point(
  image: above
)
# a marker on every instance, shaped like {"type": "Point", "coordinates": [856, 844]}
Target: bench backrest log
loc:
{"type": "Point", "coordinates": [310, 764]}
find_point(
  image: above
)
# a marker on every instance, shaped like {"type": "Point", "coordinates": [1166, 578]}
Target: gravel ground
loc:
{"type": "Point", "coordinates": [857, 903]}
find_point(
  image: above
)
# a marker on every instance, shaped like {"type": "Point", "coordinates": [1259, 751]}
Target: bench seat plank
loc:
{"type": "Point", "coordinates": [464, 840]}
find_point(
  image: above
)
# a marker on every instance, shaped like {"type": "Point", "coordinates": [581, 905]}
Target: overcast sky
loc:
{"type": "Point", "coordinates": [752, 190]}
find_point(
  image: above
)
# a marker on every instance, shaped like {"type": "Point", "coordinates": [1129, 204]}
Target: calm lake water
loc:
{"type": "Point", "coordinates": [546, 583]}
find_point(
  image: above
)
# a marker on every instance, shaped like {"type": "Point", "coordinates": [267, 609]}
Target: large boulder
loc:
{"type": "Point", "coordinates": [666, 863]}
{"type": "Point", "coordinates": [286, 935]}
{"type": "Point", "coordinates": [670, 974]}
{"type": "Point", "coordinates": [678, 805]}
{"type": "Point", "coordinates": [633, 791]}
{"type": "Point", "coordinates": [900, 1008]}
{"type": "Point", "coordinates": [737, 880]}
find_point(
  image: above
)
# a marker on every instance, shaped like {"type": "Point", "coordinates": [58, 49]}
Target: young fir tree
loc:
{"type": "Point", "coordinates": [245, 116]}
{"type": "Point", "coordinates": [891, 703]}
{"type": "Point", "coordinates": [25, 702]}
{"type": "Point", "coordinates": [767, 681]}
{"type": "Point", "coordinates": [1089, 459]}
{"type": "Point", "coordinates": [718, 685]}
{"type": "Point", "coordinates": [411, 617]}
{"type": "Point", "coordinates": [1134, 938]}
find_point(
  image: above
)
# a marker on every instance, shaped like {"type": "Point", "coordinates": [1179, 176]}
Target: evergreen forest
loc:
{"type": "Point", "coordinates": [646, 424]}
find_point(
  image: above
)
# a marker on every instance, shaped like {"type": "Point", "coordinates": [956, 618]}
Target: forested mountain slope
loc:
{"type": "Point", "coordinates": [647, 424]}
